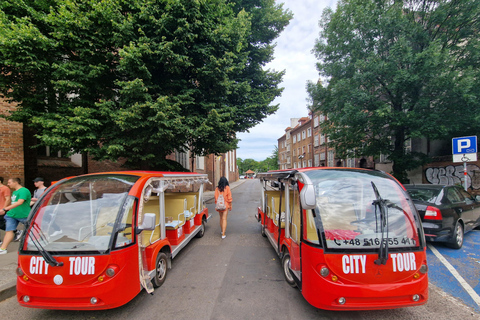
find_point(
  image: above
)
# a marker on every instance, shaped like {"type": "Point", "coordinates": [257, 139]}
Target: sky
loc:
{"type": "Point", "coordinates": [293, 53]}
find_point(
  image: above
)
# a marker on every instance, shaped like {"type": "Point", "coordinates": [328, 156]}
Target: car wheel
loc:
{"type": "Point", "coordinates": [286, 270]}
{"type": "Point", "coordinates": [201, 233]}
{"type": "Point", "coordinates": [160, 270]}
{"type": "Point", "coordinates": [263, 230]}
{"type": "Point", "coordinates": [457, 238]}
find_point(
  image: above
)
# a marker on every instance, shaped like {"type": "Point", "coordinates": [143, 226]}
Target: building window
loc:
{"type": "Point", "coordinates": [309, 132]}
{"type": "Point", "coordinates": [304, 135]}
{"type": "Point", "coordinates": [315, 141]}
{"type": "Point", "coordinates": [294, 138]}
{"type": "Point", "coordinates": [298, 136]}
{"type": "Point", "coordinates": [315, 121]}
{"type": "Point", "coordinates": [351, 162]}
{"type": "Point", "coordinates": [330, 158]}
{"type": "Point", "coordinates": [49, 152]}
{"type": "Point", "coordinates": [182, 158]}
{"type": "Point", "coordinates": [322, 118]}
{"type": "Point", "coordinates": [316, 159]}
{"type": "Point", "coordinates": [200, 163]}
{"type": "Point", "coordinates": [322, 156]}
{"type": "Point", "coordinates": [303, 150]}
{"type": "Point", "coordinates": [322, 139]}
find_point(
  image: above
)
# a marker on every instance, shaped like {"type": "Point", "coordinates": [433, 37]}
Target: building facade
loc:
{"type": "Point", "coordinates": [305, 145]}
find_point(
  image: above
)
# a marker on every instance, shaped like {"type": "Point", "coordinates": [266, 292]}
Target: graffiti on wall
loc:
{"type": "Point", "coordinates": [451, 175]}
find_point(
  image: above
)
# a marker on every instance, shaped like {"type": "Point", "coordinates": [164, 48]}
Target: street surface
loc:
{"type": "Point", "coordinates": [241, 277]}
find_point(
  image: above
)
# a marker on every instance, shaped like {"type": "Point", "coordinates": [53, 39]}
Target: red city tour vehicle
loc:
{"type": "Point", "coordinates": [349, 239]}
{"type": "Point", "coordinates": [95, 241]}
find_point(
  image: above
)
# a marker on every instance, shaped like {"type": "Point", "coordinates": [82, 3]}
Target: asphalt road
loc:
{"type": "Point", "coordinates": [239, 277]}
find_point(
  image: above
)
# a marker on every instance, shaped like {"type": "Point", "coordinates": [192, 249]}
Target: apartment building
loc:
{"type": "Point", "coordinates": [295, 147]}
{"type": "Point", "coordinates": [305, 145]}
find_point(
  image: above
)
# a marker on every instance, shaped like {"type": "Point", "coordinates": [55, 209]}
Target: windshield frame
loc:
{"type": "Point", "coordinates": [312, 176]}
{"type": "Point", "coordinates": [120, 199]}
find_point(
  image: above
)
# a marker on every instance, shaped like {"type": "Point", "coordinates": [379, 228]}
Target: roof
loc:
{"type": "Point", "coordinates": [141, 173]}
{"type": "Point", "coordinates": [249, 171]}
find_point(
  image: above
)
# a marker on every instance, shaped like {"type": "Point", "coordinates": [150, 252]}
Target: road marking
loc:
{"type": "Point", "coordinates": [457, 276]}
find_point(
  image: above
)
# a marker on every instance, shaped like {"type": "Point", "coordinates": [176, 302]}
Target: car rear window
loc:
{"type": "Point", "coordinates": [427, 195]}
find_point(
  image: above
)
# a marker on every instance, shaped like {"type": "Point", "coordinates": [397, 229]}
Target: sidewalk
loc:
{"type": "Point", "coordinates": [8, 262]}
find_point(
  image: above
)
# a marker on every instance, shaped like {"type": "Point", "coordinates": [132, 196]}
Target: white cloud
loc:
{"type": "Point", "coordinates": [293, 54]}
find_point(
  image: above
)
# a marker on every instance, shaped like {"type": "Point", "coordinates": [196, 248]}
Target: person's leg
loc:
{"type": "Point", "coordinates": [7, 239]}
{"type": "Point", "coordinates": [11, 226]}
{"type": "Point", "coordinates": [223, 222]}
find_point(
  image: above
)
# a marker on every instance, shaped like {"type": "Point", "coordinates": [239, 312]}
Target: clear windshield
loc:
{"type": "Point", "coordinates": [81, 214]}
{"type": "Point", "coordinates": [348, 211]}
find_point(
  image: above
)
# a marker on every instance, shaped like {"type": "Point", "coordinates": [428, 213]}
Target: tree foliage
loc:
{"type": "Point", "coordinates": [395, 70]}
{"type": "Point", "coordinates": [270, 163]}
{"type": "Point", "coordinates": [139, 78]}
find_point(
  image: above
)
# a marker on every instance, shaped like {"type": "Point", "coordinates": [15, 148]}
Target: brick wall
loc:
{"type": "Point", "coordinates": [11, 145]}
{"type": "Point", "coordinates": [106, 165]}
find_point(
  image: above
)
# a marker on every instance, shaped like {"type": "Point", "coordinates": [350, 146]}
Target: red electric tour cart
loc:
{"type": "Point", "coordinates": [94, 241]}
{"type": "Point", "coordinates": [349, 239]}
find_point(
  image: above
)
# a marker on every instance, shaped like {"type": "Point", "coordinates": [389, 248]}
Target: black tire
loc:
{"type": "Point", "coordinates": [201, 233]}
{"type": "Point", "coordinates": [161, 267]}
{"type": "Point", "coordinates": [262, 227]}
{"type": "Point", "coordinates": [286, 270]}
{"type": "Point", "coordinates": [457, 237]}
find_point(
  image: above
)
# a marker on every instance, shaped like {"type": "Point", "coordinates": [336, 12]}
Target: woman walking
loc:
{"type": "Point", "coordinates": [223, 202]}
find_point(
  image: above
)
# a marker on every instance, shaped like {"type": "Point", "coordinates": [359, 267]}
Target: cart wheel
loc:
{"type": "Point", "coordinates": [201, 233]}
{"type": "Point", "coordinates": [286, 270]}
{"type": "Point", "coordinates": [457, 239]}
{"type": "Point", "coordinates": [160, 270]}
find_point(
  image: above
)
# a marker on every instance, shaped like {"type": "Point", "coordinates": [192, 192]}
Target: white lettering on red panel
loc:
{"type": "Point", "coordinates": [78, 265]}
{"type": "Point", "coordinates": [82, 265]}
{"type": "Point", "coordinates": [38, 265]}
{"type": "Point", "coordinates": [356, 263]}
{"type": "Point", "coordinates": [403, 261]}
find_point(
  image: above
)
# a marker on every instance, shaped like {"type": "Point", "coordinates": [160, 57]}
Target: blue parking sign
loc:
{"type": "Point", "coordinates": [464, 145]}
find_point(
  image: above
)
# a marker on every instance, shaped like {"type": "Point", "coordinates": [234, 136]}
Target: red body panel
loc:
{"type": "Point", "coordinates": [80, 281]}
{"type": "Point", "coordinates": [378, 287]}
{"type": "Point", "coordinates": [363, 284]}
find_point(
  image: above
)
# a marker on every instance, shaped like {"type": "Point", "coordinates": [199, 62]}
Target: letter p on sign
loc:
{"type": "Point", "coordinates": [463, 145]}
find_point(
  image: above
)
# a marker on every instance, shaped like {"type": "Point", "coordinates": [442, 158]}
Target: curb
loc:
{"type": "Point", "coordinates": [10, 289]}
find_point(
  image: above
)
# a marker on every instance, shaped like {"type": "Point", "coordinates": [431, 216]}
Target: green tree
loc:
{"type": "Point", "coordinates": [395, 70]}
{"type": "Point", "coordinates": [137, 79]}
{"type": "Point", "coordinates": [270, 163]}
{"type": "Point", "coordinates": [246, 164]}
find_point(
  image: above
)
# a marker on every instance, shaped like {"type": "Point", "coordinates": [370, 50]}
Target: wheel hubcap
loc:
{"type": "Point", "coordinates": [161, 269]}
{"type": "Point", "coordinates": [286, 269]}
{"type": "Point", "coordinates": [459, 235]}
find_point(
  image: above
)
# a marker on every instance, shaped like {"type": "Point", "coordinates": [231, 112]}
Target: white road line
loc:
{"type": "Point", "coordinates": [457, 276]}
